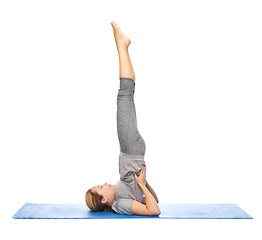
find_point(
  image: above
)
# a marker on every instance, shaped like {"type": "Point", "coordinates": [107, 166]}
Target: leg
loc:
{"type": "Point", "coordinates": [131, 142]}
{"type": "Point", "coordinates": [122, 44]}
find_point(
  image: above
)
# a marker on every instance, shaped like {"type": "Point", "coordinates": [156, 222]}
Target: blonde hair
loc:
{"type": "Point", "coordinates": [93, 201]}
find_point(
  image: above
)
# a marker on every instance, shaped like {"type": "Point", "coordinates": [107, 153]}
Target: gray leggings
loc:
{"type": "Point", "coordinates": [131, 142]}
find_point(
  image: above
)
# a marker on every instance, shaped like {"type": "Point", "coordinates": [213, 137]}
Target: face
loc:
{"type": "Point", "coordinates": [106, 190]}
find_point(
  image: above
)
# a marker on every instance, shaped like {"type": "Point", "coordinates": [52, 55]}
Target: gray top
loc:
{"type": "Point", "coordinates": [127, 189]}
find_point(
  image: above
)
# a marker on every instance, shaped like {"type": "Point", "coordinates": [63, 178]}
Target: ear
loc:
{"type": "Point", "coordinates": [104, 201]}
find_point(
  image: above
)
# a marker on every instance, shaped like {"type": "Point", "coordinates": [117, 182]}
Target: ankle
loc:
{"type": "Point", "coordinates": [121, 46]}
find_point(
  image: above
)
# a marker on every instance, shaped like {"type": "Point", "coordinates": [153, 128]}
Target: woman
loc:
{"type": "Point", "coordinates": [132, 194]}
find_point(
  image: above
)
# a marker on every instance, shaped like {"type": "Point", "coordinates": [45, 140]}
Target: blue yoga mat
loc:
{"type": "Point", "coordinates": [168, 211]}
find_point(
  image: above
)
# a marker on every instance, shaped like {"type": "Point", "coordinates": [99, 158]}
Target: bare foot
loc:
{"type": "Point", "coordinates": [120, 38]}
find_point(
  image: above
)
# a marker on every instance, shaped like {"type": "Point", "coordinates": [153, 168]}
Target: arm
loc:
{"type": "Point", "coordinates": [151, 190]}
{"type": "Point", "coordinates": [151, 208]}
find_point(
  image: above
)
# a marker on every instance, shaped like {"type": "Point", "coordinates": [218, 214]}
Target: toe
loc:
{"type": "Point", "coordinates": [114, 24]}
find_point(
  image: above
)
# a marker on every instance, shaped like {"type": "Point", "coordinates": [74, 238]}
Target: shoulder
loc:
{"type": "Point", "coordinates": [123, 206]}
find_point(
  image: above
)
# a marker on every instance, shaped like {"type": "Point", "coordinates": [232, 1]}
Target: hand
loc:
{"type": "Point", "coordinates": [141, 179]}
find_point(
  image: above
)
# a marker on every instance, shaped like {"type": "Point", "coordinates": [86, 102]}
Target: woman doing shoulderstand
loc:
{"type": "Point", "coordinates": [132, 194]}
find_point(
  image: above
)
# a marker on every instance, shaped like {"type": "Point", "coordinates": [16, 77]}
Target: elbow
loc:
{"type": "Point", "coordinates": [156, 213]}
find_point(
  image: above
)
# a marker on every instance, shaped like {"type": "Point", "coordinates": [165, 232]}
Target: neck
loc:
{"type": "Point", "coordinates": [111, 200]}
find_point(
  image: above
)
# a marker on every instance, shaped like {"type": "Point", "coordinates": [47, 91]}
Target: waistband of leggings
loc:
{"type": "Point", "coordinates": [132, 156]}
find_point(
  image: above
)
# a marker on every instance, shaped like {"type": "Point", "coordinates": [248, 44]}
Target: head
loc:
{"type": "Point", "coordinates": [100, 197]}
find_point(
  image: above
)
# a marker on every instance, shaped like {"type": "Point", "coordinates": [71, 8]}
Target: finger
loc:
{"type": "Point", "coordinates": [135, 174]}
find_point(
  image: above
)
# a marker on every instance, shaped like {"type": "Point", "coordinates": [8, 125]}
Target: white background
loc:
{"type": "Point", "coordinates": [198, 102]}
